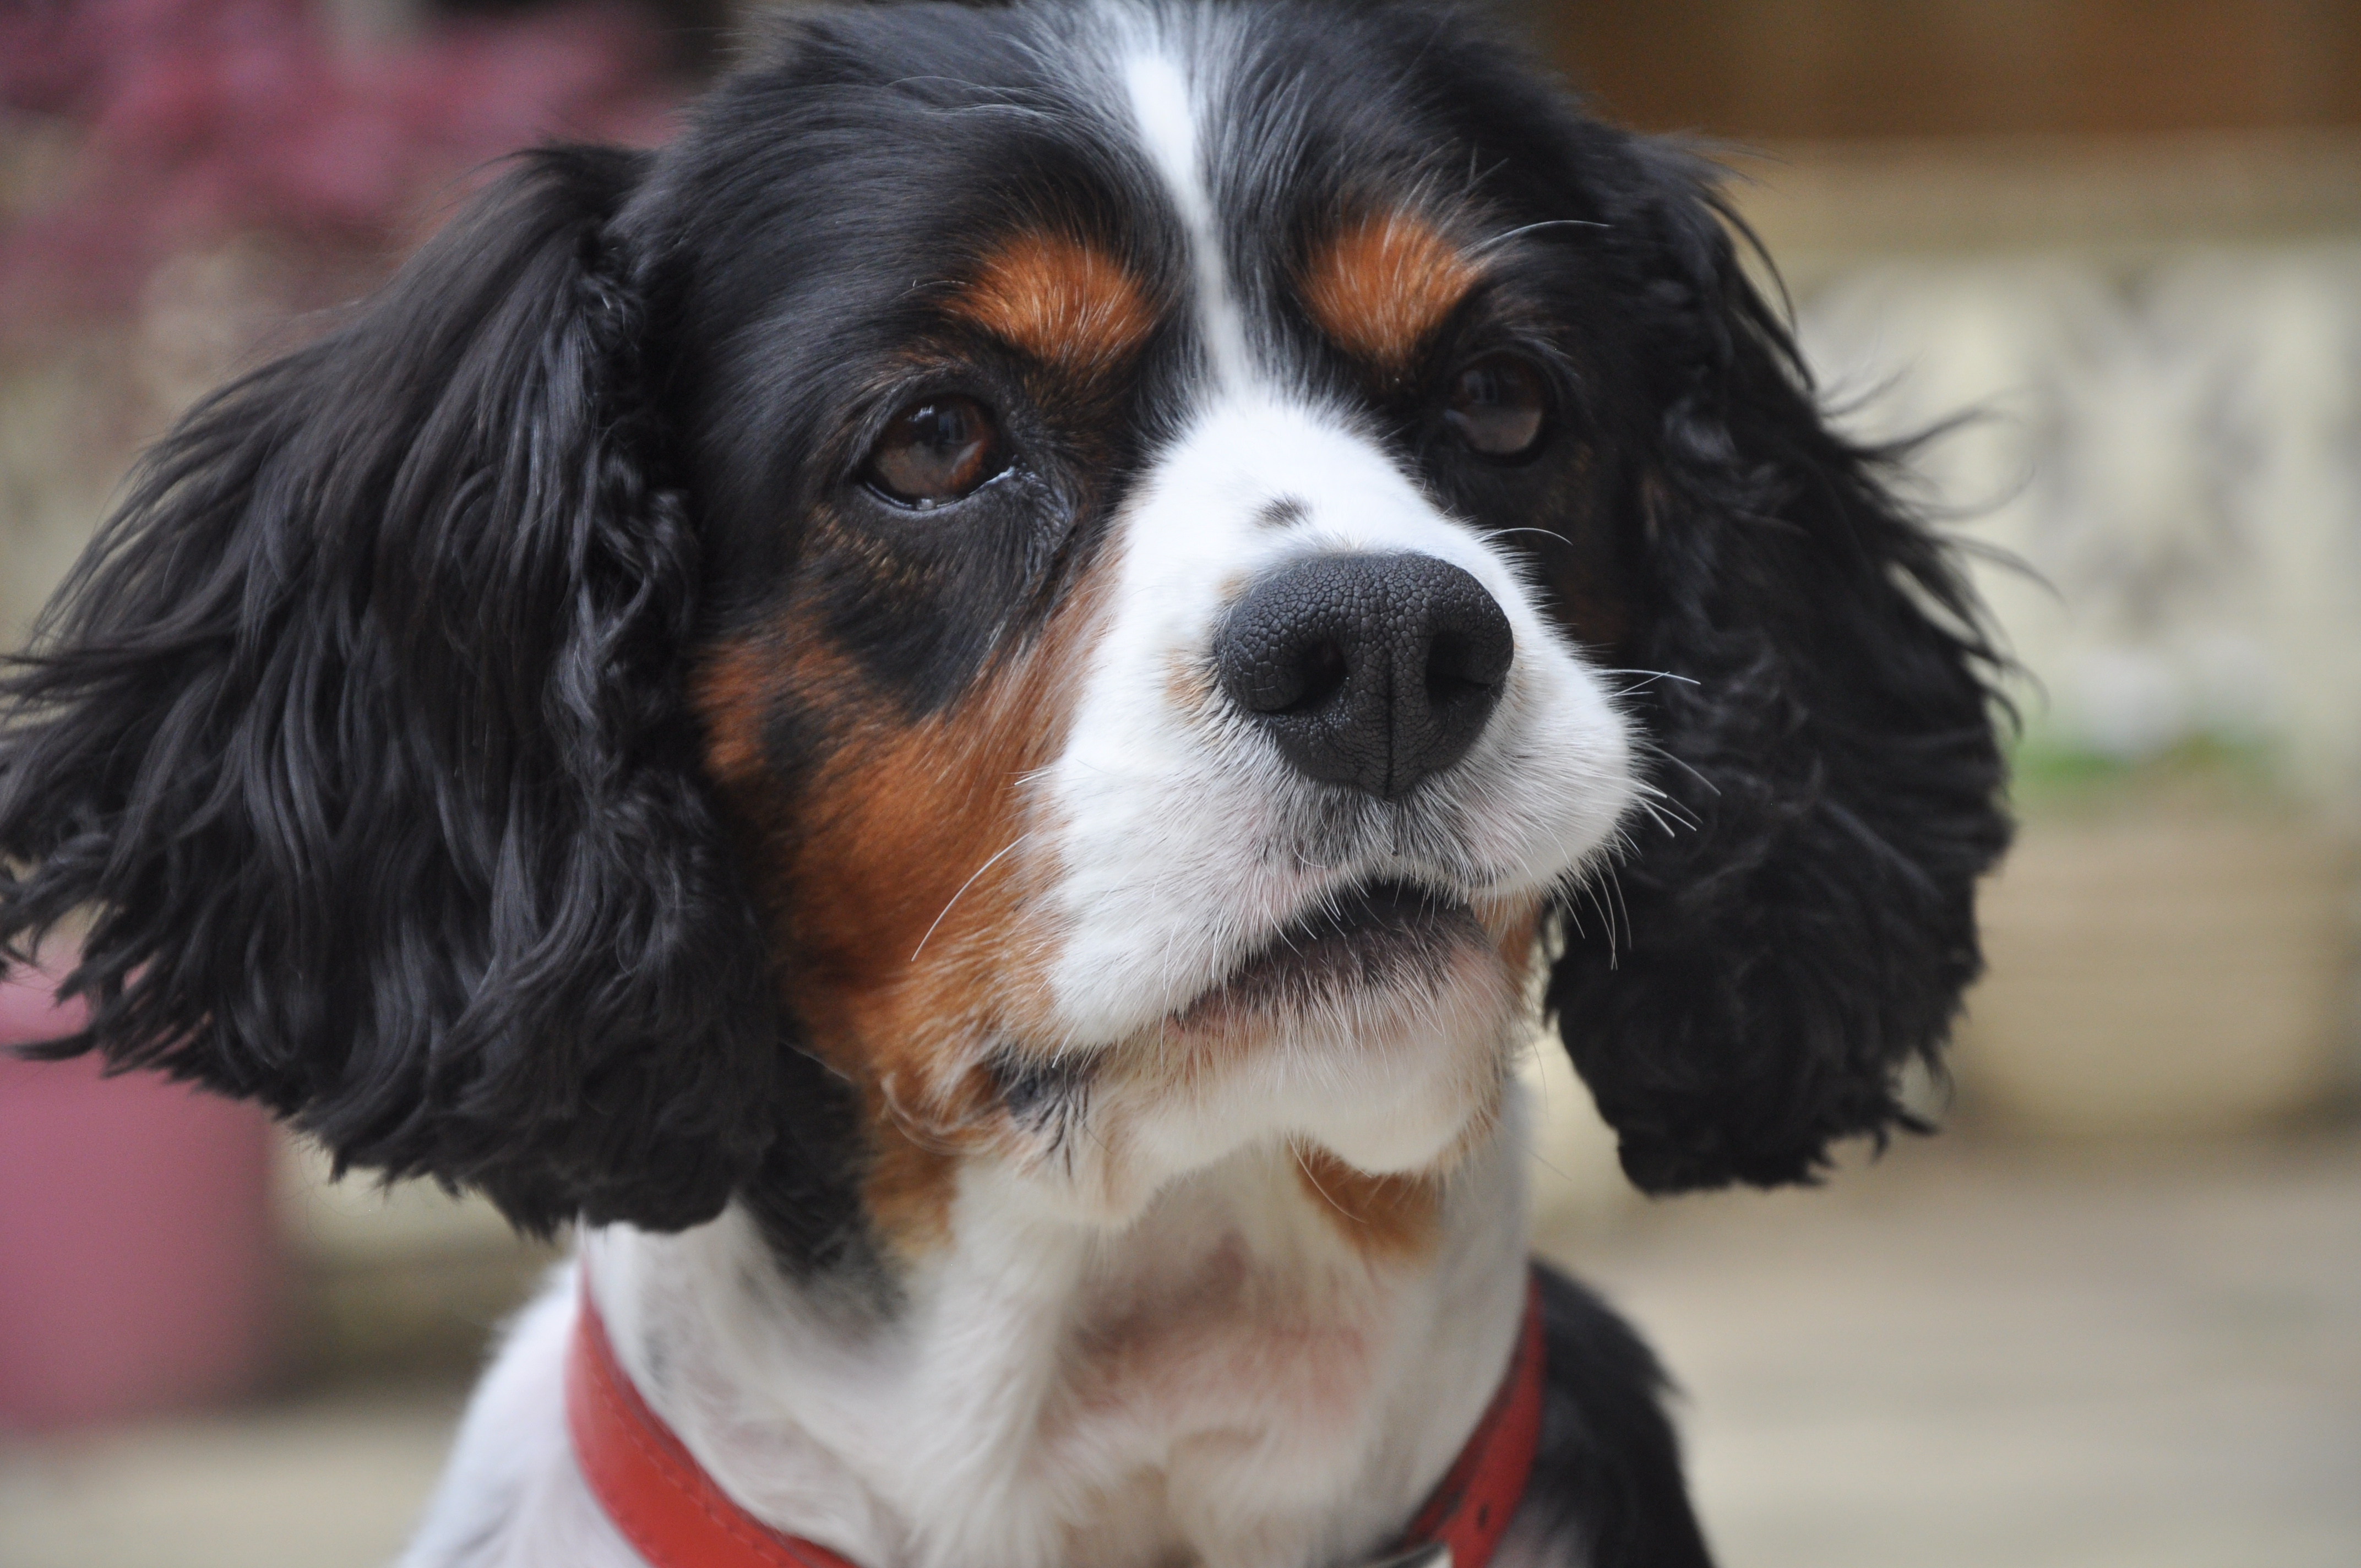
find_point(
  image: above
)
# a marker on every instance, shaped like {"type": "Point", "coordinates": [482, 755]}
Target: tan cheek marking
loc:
{"type": "Point", "coordinates": [732, 691]}
{"type": "Point", "coordinates": [1383, 284]}
{"type": "Point", "coordinates": [1514, 925]}
{"type": "Point", "coordinates": [911, 1183]}
{"type": "Point", "coordinates": [1391, 1217]}
{"type": "Point", "coordinates": [1189, 686]}
{"type": "Point", "coordinates": [1059, 300]}
{"type": "Point", "coordinates": [899, 947]}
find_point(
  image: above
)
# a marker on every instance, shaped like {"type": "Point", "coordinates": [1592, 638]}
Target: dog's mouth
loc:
{"type": "Point", "coordinates": [1380, 936]}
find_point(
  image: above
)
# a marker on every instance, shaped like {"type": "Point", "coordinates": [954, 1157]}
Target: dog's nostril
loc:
{"type": "Point", "coordinates": [1459, 668]}
{"type": "Point", "coordinates": [1369, 671]}
{"type": "Point", "coordinates": [1321, 671]}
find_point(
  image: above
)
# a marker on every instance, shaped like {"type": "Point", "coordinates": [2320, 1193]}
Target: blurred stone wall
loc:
{"type": "Point", "coordinates": [2155, 351]}
{"type": "Point", "coordinates": [2142, 359]}
{"type": "Point", "coordinates": [75, 409]}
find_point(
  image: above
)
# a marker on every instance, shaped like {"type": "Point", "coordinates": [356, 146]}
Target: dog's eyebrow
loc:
{"type": "Point", "coordinates": [1382, 283]}
{"type": "Point", "coordinates": [1060, 301]}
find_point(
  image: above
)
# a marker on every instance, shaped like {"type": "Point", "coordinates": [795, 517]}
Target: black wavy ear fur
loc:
{"type": "Point", "coordinates": [359, 732]}
{"type": "Point", "coordinates": [1829, 739]}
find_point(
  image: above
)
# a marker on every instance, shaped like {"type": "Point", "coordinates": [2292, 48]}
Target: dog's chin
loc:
{"type": "Point", "coordinates": [1383, 946]}
{"type": "Point", "coordinates": [1379, 1026]}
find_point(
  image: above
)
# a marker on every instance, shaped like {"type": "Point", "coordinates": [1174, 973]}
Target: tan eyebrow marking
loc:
{"type": "Point", "coordinates": [1060, 301]}
{"type": "Point", "coordinates": [1382, 284]}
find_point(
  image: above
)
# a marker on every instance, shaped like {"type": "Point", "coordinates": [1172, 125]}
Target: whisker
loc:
{"type": "Point", "coordinates": [1615, 882]}
{"type": "Point", "coordinates": [1654, 675]}
{"type": "Point", "coordinates": [1529, 228]}
{"type": "Point", "coordinates": [1324, 1192]}
{"type": "Point", "coordinates": [1543, 532]}
{"type": "Point", "coordinates": [1654, 749]}
{"type": "Point", "coordinates": [1535, 1156]}
{"type": "Point", "coordinates": [962, 890]}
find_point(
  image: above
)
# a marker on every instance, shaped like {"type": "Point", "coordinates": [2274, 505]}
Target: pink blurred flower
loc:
{"type": "Point", "coordinates": [201, 120]}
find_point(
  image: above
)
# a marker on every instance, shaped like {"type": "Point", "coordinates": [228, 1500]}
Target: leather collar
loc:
{"type": "Point", "coordinates": [676, 1516]}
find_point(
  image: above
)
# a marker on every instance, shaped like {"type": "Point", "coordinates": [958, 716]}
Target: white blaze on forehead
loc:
{"type": "Point", "coordinates": [1164, 111]}
{"type": "Point", "coordinates": [1183, 840]}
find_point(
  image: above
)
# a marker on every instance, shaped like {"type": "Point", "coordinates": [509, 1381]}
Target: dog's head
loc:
{"type": "Point", "coordinates": [1076, 583]}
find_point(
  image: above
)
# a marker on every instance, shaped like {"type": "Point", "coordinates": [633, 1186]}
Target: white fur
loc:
{"type": "Point", "coordinates": [510, 1493]}
{"type": "Point", "coordinates": [1227, 1380]}
{"type": "Point", "coordinates": [1178, 841]}
{"type": "Point", "coordinates": [1183, 839]}
{"type": "Point", "coordinates": [1162, 104]}
{"type": "Point", "coordinates": [1153, 1343]}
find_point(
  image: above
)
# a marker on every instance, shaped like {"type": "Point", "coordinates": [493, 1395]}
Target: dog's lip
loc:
{"type": "Point", "coordinates": [1381, 934]}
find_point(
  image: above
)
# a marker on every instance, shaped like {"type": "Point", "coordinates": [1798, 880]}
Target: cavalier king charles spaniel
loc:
{"type": "Point", "coordinates": [966, 715]}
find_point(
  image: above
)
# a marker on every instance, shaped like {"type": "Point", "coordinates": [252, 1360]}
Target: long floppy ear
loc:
{"type": "Point", "coordinates": [1827, 734]}
{"type": "Point", "coordinates": [359, 731]}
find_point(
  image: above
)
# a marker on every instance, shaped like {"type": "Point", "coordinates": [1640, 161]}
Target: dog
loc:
{"type": "Point", "coordinates": [965, 714]}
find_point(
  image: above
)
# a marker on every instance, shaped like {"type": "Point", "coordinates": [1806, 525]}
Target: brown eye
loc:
{"type": "Point", "coordinates": [936, 450]}
{"type": "Point", "coordinates": [1498, 406]}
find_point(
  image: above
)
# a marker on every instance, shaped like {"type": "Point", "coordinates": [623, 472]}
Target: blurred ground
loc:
{"type": "Point", "coordinates": [1968, 1354]}
{"type": "Point", "coordinates": [1984, 1355]}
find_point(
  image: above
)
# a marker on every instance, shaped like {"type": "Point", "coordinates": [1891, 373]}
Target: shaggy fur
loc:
{"type": "Point", "coordinates": [511, 739]}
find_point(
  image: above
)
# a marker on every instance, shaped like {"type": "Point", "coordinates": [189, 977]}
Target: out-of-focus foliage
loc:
{"type": "Point", "coordinates": [185, 121]}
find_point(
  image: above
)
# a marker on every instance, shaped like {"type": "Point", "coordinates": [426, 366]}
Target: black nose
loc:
{"type": "Point", "coordinates": [1371, 671]}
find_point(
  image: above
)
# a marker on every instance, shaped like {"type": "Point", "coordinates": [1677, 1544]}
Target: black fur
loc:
{"type": "Point", "coordinates": [1607, 1489]}
{"type": "Point", "coordinates": [359, 728]}
{"type": "Point", "coordinates": [362, 730]}
{"type": "Point", "coordinates": [1826, 734]}
{"type": "Point", "coordinates": [407, 612]}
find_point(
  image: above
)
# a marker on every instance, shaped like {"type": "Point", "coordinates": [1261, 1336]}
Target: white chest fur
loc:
{"type": "Point", "coordinates": [1226, 1381]}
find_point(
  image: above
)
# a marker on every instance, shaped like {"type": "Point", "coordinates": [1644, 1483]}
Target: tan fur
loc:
{"type": "Point", "coordinates": [1060, 301]}
{"type": "Point", "coordinates": [904, 942]}
{"type": "Point", "coordinates": [1383, 284]}
{"type": "Point", "coordinates": [1391, 1218]}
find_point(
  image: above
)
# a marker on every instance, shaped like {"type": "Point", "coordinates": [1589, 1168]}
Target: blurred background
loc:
{"type": "Point", "coordinates": [2112, 1317]}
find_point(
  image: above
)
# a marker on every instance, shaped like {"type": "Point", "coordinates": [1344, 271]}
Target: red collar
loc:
{"type": "Point", "coordinates": [674, 1514]}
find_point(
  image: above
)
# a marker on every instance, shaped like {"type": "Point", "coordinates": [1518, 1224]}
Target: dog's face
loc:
{"type": "Point", "coordinates": [1154, 733]}
{"type": "Point", "coordinates": [1107, 573]}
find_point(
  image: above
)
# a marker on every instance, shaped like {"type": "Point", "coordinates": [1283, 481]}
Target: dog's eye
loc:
{"type": "Point", "coordinates": [1498, 405]}
{"type": "Point", "coordinates": [936, 450]}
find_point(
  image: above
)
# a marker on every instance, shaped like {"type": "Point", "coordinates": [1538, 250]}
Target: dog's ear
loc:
{"type": "Point", "coordinates": [359, 734]}
{"type": "Point", "coordinates": [1824, 734]}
